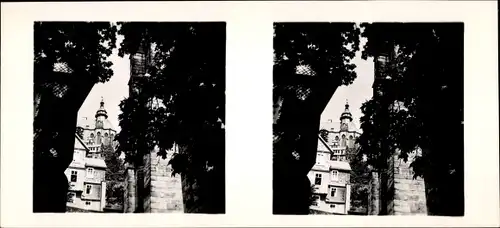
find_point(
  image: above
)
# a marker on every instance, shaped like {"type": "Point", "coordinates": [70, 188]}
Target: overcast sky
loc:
{"type": "Point", "coordinates": [356, 93]}
{"type": "Point", "coordinates": [113, 91]}
{"type": "Point", "coordinates": [116, 89]}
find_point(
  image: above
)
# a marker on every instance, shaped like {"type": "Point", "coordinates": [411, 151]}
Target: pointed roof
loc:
{"type": "Point", "coordinates": [323, 146]}
{"type": "Point", "coordinates": [346, 114]}
{"type": "Point", "coordinates": [101, 111]}
{"type": "Point", "coordinates": [79, 143]}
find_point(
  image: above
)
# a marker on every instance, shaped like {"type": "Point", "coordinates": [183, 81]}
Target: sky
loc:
{"type": "Point", "coordinates": [113, 91]}
{"type": "Point", "coordinates": [356, 93]}
{"type": "Point", "coordinates": [116, 89]}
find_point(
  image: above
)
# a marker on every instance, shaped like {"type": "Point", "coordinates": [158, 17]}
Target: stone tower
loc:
{"type": "Point", "coordinates": [402, 194]}
{"type": "Point", "coordinates": [150, 186]}
{"type": "Point", "coordinates": [393, 190]}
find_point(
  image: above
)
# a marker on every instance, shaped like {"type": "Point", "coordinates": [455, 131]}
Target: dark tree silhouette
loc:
{"type": "Point", "coordinates": [360, 177]}
{"type": "Point", "coordinates": [182, 102]}
{"type": "Point", "coordinates": [80, 50]}
{"type": "Point", "coordinates": [324, 51]}
{"type": "Point", "coordinates": [425, 91]}
{"type": "Point", "coordinates": [115, 176]}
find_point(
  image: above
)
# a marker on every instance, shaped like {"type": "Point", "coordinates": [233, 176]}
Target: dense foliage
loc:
{"type": "Point", "coordinates": [115, 176]}
{"type": "Point", "coordinates": [360, 178]}
{"type": "Point", "coordinates": [83, 49]}
{"type": "Point", "coordinates": [320, 50]}
{"type": "Point", "coordinates": [425, 93]}
{"type": "Point", "coordinates": [84, 46]}
{"type": "Point", "coordinates": [181, 103]}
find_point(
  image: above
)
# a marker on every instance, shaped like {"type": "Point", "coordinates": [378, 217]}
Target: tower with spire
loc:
{"type": "Point", "coordinates": [344, 133]}
{"type": "Point", "coordinates": [101, 115]}
{"type": "Point", "coordinates": [345, 118]}
{"type": "Point", "coordinates": [97, 132]}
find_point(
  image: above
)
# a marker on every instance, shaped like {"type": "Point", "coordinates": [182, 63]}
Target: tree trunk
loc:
{"type": "Point", "coordinates": [296, 124]}
{"type": "Point", "coordinates": [56, 110]}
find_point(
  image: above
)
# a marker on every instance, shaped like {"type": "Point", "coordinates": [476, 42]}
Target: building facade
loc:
{"type": "Point", "coordinates": [330, 176]}
{"type": "Point", "coordinates": [331, 173]}
{"type": "Point", "coordinates": [97, 132]}
{"type": "Point", "coordinates": [86, 175]}
{"type": "Point", "coordinates": [343, 134]}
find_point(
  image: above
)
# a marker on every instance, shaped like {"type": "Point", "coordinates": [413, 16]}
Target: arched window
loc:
{"type": "Point", "coordinates": [350, 137]}
{"type": "Point", "coordinates": [91, 135]}
{"type": "Point", "coordinates": [336, 138]}
{"type": "Point", "coordinates": [106, 135]}
{"type": "Point", "coordinates": [98, 137]}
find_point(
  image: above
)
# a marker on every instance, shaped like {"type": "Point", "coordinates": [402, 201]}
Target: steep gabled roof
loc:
{"type": "Point", "coordinates": [79, 143]}
{"type": "Point", "coordinates": [323, 146]}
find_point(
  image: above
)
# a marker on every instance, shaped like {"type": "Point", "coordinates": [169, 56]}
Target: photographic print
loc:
{"type": "Point", "coordinates": [368, 118]}
{"type": "Point", "coordinates": [129, 117]}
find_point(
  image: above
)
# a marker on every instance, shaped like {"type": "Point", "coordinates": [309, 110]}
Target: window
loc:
{"type": "Point", "coordinates": [71, 197]}
{"type": "Point", "coordinates": [335, 175]}
{"type": "Point", "coordinates": [88, 189]}
{"type": "Point", "coordinates": [350, 137]}
{"type": "Point", "coordinates": [332, 205]}
{"type": "Point", "coordinates": [315, 200]}
{"type": "Point", "coordinates": [106, 135]}
{"type": "Point", "coordinates": [98, 137]}
{"type": "Point", "coordinates": [334, 158]}
{"type": "Point", "coordinates": [333, 192]}
{"type": "Point", "coordinates": [74, 176]}
{"type": "Point", "coordinates": [91, 135]}
{"type": "Point", "coordinates": [319, 157]}
{"type": "Point", "coordinates": [90, 173]}
{"type": "Point", "coordinates": [87, 203]}
{"type": "Point", "coordinates": [336, 138]}
{"type": "Point", "coordinates": [317, 180]}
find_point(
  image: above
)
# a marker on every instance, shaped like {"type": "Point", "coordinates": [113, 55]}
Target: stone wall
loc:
{"type": "Point", "coordinates": [404, 195]}
{"type": "Point", "coordinates": [146, 192]}
{"type": "Point", "coordinates": [130, 198]}
{"type": "Point", "coordinates": [409, 193]}
{"type": "Point", "coordinates": [166, 190]}
{"type": "Point", "coordinates": [374, 194]}
{"type": "Point", "coordinates": [159, 191]}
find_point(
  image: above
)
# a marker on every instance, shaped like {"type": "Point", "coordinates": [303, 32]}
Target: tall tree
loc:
{"type": "Point", "coordinates": [322, 52]}
{"type": "Point", "coordinates": [115, 176]}
{"type": "Point", "coordinates": [69, 58]}
{"type": "Point", "coordinates": [423, 104]}
{"type": "Point", "coordinates": [115, 166]}
{"type": "Point", "coordinates": [185, 93]}
{"type": "Point", "coordinates": [360, 177]}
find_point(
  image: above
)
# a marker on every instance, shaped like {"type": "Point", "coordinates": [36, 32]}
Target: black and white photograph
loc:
{"type": "Point", "coordinates": [368, 118]}
{"type": "Point", "coordinates": [129, 117]}
{"type": "Point", "coordinates": [249, 114]}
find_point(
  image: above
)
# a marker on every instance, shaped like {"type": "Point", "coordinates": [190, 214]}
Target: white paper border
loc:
{"type": "Point", "coordinates": [249, 103]}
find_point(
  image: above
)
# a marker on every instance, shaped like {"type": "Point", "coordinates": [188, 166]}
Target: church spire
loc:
{"type": "Point", "coordinates": [101, 111]}
{"type": "Point", "coordinates": [346, 114]}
